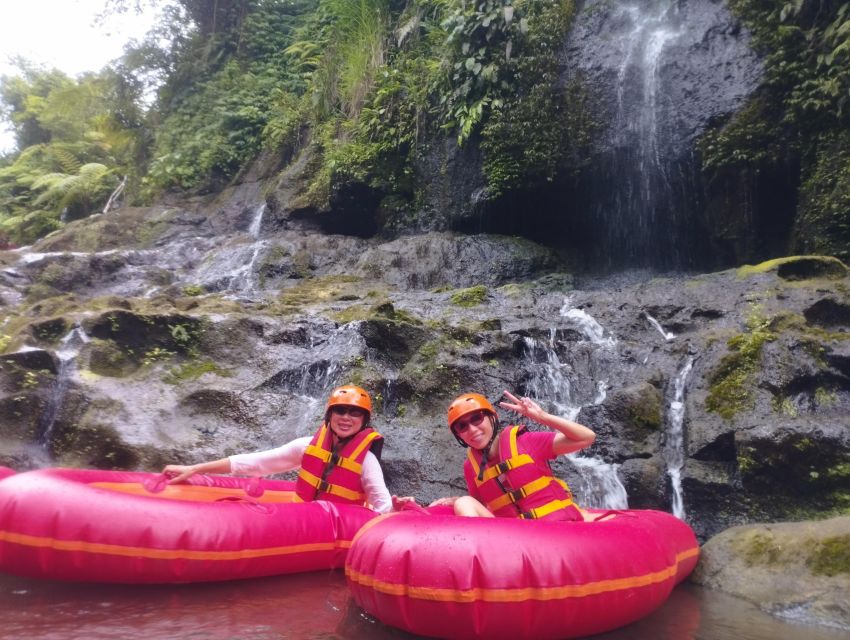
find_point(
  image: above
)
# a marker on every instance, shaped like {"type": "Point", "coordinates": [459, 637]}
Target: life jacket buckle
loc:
{"type": "Point", "coordinates": [334, 458]}
{"type": "Point", "coordinates": [323, 487]}
{"type": "Point", "coordinates": [516, 494]}
{"type": "Point", "coordinates": [528, 515]}
{"type": "Point", "coordinates": [503, 467]}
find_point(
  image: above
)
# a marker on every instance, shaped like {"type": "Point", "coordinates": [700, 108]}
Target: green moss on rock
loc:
{"type": "Point", "coordinates": [107, 359]}
{"type": "Point", "coordinates": [758, 548]}
{"type": "Point", "coordinates": [730, 391]}
{"type": "Point", "coordinates": [321, 289]}
{"type": "Point", "coordinates": [193, 370]}
{"type": "Point", "coordinates": [830, 557]}
{"type": "Point", "coordinates": [646, 409]}
{"type": "Point", "coordinates": [471, 297]}
{"type": "Point", "coordinates": [799, 268]}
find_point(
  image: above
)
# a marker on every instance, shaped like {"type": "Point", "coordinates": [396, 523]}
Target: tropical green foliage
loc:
{"type": "Point", "coordinates": [466, 67]}
{"type": "Point", "coordinates": [367, 81]}
{"type": "Point", "coordinates": [231, 91]}
{"type": "Point", "coordinates": [540, 128]}
{"type": "Point", "coordinates": [801, 113]}
{"type": "Point", "coordinates": [76, 136]}
{"type": "Point", "coordinates": [823, 225]}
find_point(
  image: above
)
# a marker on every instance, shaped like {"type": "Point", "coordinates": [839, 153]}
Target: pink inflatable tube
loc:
{"type": "Point", "coordinates": [112, 526]}
{"type": "Point", "coordinates": [450, 577]}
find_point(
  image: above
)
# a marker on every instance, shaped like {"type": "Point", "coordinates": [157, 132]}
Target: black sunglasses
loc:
{"type": "Point", "coordinates": [475, 418]}
{"type": "Point", "coordinates": [354, 412]}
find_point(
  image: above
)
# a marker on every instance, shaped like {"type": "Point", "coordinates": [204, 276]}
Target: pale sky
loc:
{"type": "Point", "coordinates": [62, 34]}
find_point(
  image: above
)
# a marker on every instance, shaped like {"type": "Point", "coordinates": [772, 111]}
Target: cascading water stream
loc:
{"type": "Point", "coordinates": [311, 382]}
{"type": "Point", "coordinates": [587, 325]}
{"type": "Point", "coordinates": [667, 335]}
{"type": "Point", "coordinates": [661, 72]}
{"type": "Point", "coordinates": [635, 189]}
{"type": "Point", "coordinates": [599, 485]}
{"type": "Point", "coordinates": [642, 179]}
{"type": "Point", "coordinates": [230, 268]}
{"type": "Point", "coordinates": [256, 225]}
{"type": "Point", "coordinates": [68, 350]}
{"type": "Point", "coordinates": [244, 280]}
{"type": "Point", "coordinates": [674, 441]}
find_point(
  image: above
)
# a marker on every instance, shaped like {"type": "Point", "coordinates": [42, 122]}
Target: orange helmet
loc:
{"type": "Point", "coordinates": [351, 396]}
{"type": "Point", "coordinates": [467, 403]}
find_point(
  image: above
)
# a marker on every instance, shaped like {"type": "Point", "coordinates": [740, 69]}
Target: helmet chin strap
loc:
{"type": "Point", "coordinates": [485, 452]}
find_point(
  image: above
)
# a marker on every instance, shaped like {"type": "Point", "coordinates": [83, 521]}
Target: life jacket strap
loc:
{"type": "Point", "coordinates": [514, 496]}
{"type": "Point", "coordinates": [546, 509]}
{"type": "Point", "coordinates": [323, 486]}
{"type": "Point", "coordinates": [367, 442]}
{"type": "Point", "coordinates": [505, 466]}
{"type": "Point", "coordinates": [334, 459]}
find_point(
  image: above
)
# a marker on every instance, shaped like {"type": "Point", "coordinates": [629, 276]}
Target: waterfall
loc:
{"type": "Point", "coordinates": [68, 350]}
{"type": "Point", "coordinates": [550, 379]}
{"type": "Point", "coordinates": [661, 72]}
{"type": "Point", "coordinates": [598, 486]}
{"type": "Point", "coordinates": [640, 180]}
{"type": "Point", "coordinates": [674, 442]}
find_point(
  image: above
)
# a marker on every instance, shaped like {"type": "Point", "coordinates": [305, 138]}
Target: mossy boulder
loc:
{"type": "Point", "coordinates": [641, 406]}
{"type": "Point", "coordinates": [391, 334]}
{"type": "Point", "coordinates": [799, 268]}
{"type": "Point", "coordinates": [799, 570]}
{"type": "Point", "coordinates": [216, 406]}
{"type": "Point", "coordinates": [732, 380]}
{"type": "Point", "coordinates": [629, 422]}
{"type": "Point", "coordinates": [828, 312]}
{"type": "Point", "coordinates": [787, 465]}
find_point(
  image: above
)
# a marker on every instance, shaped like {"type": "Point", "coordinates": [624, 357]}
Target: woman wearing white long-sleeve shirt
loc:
{"type": "Point", "coordinates": [338, 463]}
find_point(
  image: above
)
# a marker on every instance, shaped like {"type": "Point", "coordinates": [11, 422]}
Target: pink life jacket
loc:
{"type": "Point", "coordinates": [335, 475]}
{"type": "Point", "coordinates": [517, 485]}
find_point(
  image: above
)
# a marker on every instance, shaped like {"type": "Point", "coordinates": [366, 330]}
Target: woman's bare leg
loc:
{"type": "Point", "coordinates": [469, 507]}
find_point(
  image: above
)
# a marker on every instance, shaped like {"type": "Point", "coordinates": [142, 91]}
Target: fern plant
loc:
{"type": "Point", "coordinates": [76, 194]}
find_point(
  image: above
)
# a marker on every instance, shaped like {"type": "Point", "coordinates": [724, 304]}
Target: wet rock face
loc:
{"type": "Point", "coordinates": [454, 188]}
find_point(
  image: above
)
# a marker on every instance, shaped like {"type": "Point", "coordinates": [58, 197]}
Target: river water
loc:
{"type": "Point", "coordinates": [314, 606]}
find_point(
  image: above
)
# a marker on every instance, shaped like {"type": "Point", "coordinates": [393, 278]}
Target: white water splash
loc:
{"type": "Point", "coordinates": [667, 335]}
{"type": "Point", "coordinates": [587, 324]}
{"type": "Point", "coordinates": [601, 392]}
{"type": "Point", "coordinates": [550, 380]}
{"type": "Point", "coordinates": [599, 485]}
{"type": "Point", "coordinates": [674, 445]}
{"type": "Point", "coordinates": [35, 257]}
{"type": "Point", "coordinates": [244, 280]}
